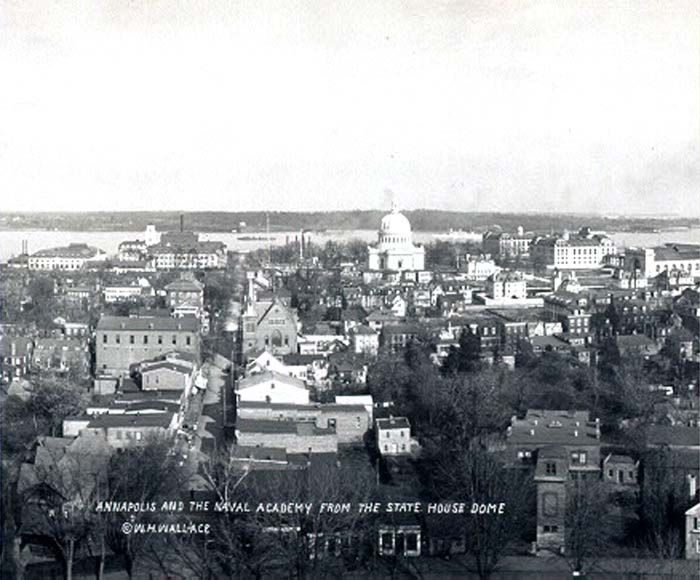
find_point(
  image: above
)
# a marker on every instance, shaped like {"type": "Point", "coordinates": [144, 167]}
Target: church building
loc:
{"type": "Point", "coordinates": [395, 249]}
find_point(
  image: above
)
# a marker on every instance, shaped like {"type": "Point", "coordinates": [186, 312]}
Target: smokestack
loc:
{"type": "Point", "coordinates": [182, 222]}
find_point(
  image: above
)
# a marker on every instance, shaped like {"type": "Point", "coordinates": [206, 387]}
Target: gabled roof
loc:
{"type": "Point", "coordinates": [393, 423]}
{"type": "Point", "coordinates": [106, 421]}
{"type": "Point", "coordinates": [184, 285]}
{"type": "Point", "coordinates": [266, 376]}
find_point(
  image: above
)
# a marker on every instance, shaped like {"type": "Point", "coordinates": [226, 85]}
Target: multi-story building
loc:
{"type": "Point", "coordinates": [185, 290]}
{"type": "Point", "coordinates": [131, 429]}
{"type": "Point", "coordinates": [393, 436]}
{"type": "Point", "coordinates": [184, 251]}
{"type": "Point", "coordinates": [570, 309]}
{"type": "Point", "coordinates": [124, 341]}
{"type": "Point", "coordinates": [581, 251]}
{"type": "Point", "coordinates": [506, 285]}
{"type": "Point", "coordinates": [505, 245]}
{"type": "Point", "coordinates": [364, 340]}
{"type": "Point", "coordinates": [15, 356]}
{"type": "Point", "coordinates": [132, 251]}
{"type": "Point", "coordinates": [61, 354]}
{"type": "Point", "coordinates": [649, 262]}
{"type": "Point", "coordinates": [119, 292]}
{"type": "Point", "coordinates": [69, 258]}
{"type": "Point", "coordinates": [571, 430]}
{"type": "Point", "coordinates": [480, 268]}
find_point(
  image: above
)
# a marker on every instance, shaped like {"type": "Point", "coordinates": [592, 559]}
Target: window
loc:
{"type": "Point", "coordinates": [145, 339]}
{"type": "Point", "coordinates": [550, 504]}
{"type": "Point", "coordinates": [631, 475]}
{"type": "Point", "coordinates": [119, 434]}
{"type": "Point", "coordinates": [174, 339]}
{"type": "Point", "coordinates": [387, 542]}
{"type": "Point", "coordinates": [358, 422]}
{"type": "Point", "coordinates": [578, 457]}
{"type": "Point", "coordinates": [138, 435]}
{"type": "Point", "coordinates": [388, 435]}
{"type": "Point", "coordinates": [403, 447]}
{"type": "Point", "coordinates": [160, 339]}
{"type": "Point", "coordinates": [104, 339]}
{"type": "Point", "coordinates": [118, 339]}
{"type": "Point", "coordinates": [611, 473]}
{"type": "Point", "coordinates": [697, 546]}
{"type": "Point", "coordinates": [402, 433]}
{"type": "Point", "coordinates": [411, 542]}
{"type": "Point", "coordinates": [696, 523]}
{"type": "Point", "coordinates": [550, 529]}
{"type": "Point", "coordinates": [386, 448]}
{"type": "Point", "coordinates": [188, 341]}
{"type": "Point", "coordinates": [550, 468]}
{"type": "Point", "coordinates": [332, 422]}
{"type": "Point", "coordinates": [128, 434]}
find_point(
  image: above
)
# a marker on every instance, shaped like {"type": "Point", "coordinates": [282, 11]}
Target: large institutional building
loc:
{"type": "Point", "coordinates": [395, 249]}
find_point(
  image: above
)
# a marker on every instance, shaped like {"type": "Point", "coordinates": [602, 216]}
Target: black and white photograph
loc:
{"type": "Point", "coordinates": [349, 289]}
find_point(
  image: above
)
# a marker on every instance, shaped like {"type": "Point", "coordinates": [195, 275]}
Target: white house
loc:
{"type": "Point", "coordinates": [272, 387]}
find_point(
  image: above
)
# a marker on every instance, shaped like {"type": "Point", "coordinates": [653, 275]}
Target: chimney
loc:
{"type": "Point", "coordinates": [692, 485]}
{"type": "Point", "coordinates": [575, 432]}
{"type": "Point", "coordinates": [13, 348]}
{"type": "Point", "coordinates": [532, 432]}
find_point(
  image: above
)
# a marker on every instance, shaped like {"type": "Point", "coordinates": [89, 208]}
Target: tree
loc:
{"type": "Point", "coordinates": [51, 401]}
{"type": "Point", "coordinates": [466, 357]}
{"type": "Point", "coordinates": [664, 500]}
{"type": "Point", "coordinates": [477, 476]}
{"type": "Point", "coordinates": [586, 523]}
{"type": "Point", "coordinates": [147, 473]}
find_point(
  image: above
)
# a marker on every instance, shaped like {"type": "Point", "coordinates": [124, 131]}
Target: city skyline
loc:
{"type": "Point", "coordinates": [522, 106]}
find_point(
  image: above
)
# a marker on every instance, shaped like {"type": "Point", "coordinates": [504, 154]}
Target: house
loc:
{"type": "Point", "coordinates": [364, 340]}
{"type": "Point", "coordinates": [393, 436]}
{"type": "Point", "coordinates": [620, 470]}
{"type": "Point", "coordinates": [401, 537]}
{"type": "Point", "coordinates": [310, 368]}
{"type": "Point", "coordinates": [398, 336]}
{"type": "Point", "coordinates": [292, 436]}
{"type": "Point", "coordinates": [124, 341]}
{"type": "Point", "coordinates": [350, 421]}
{"type": "Point", "coordinates": [272, 387]}
{"type": "Point", "coordinates": [571, 309]}
{"type": "Point", "coordinates": [120, 292]}
{"type": "Point", "coordinates": [61, 354]}
{"type": "Point", "coordinates": [15, 357]}
{"type": "Point", "coordinates": [167, 375]}
{"type": "Point", "coordinates": [692, 533]}
{"type": "Point", "coordinates": [126, 429]}
{"type": "Point", "coordinates": [186, 289]}
{"type": "Point", "coordinates": [506, 286]}
{"type": "Point", "coordinates": [571, 430]}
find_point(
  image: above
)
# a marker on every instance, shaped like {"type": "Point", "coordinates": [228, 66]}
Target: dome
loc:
{"type": "Point", "coordinates": [395, 223]}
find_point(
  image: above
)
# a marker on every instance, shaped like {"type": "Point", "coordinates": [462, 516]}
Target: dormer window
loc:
{"type": "Point", "coordinates": [550, 468]}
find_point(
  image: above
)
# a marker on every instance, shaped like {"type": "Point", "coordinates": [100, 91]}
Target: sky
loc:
{"type": "Point", "coordinates": [563, 105]}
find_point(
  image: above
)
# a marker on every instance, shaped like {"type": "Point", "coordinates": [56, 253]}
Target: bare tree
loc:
{"type": "Point", "coordinates": [587, 523]}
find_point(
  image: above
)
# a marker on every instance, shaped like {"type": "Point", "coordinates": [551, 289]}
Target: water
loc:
{"type": "Point", "coordinates": [11, 241]}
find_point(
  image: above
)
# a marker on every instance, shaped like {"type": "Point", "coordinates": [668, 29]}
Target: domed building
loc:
{"type": "Point", "coordinates": [395, 249]}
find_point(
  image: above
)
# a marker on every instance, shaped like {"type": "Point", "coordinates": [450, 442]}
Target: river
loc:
{"type": "Point", "coordinates": [11, 240]}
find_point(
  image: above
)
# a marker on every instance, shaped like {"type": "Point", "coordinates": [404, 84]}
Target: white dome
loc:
{"type": "Point", "coordinates": [395, 223]}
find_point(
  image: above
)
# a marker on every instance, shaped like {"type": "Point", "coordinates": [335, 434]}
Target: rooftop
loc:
{"type": "Point", "coordinates": [393, 423]}
{"type": "Point", "coordinates": [186, 323]}
{"type": "Point", "coordinates": [257, 379]}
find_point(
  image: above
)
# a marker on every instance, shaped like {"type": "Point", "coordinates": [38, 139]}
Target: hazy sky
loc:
{"type": "Point", "coordinates": [475, 105]}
